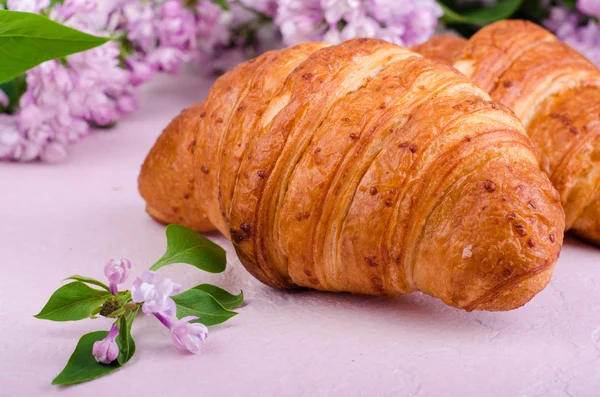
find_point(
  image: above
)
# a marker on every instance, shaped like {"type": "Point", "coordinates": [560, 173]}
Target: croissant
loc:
{"type": "Point", "coordinates": [555, 91]}
{"type": "Point", "coordinates": [441, 48]}
{"type": "Point", "coordinates": [365, 168]}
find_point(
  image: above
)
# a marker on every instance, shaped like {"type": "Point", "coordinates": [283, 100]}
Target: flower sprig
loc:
{"type": "Point", "coordinates": [185, 313]}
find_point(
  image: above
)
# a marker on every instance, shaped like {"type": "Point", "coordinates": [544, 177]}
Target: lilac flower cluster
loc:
{"type": "Point", "coordinates": [581, 32]}
{"type": "Point", "coordinates": [64, 99]}
{"type": "Point", "coordinates": [402, 22]}
{"type": "Point", "coordinates": [154, 293]}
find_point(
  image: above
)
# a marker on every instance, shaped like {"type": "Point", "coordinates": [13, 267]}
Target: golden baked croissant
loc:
{"type": "Point", "coordinates": [442, 48]}
{"type": "Point", "coordinates": [366, 168]}
{"type": "Point", "coordinates": [555, 91]}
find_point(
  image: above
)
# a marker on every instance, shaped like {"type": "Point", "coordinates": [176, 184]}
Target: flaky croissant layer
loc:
{"type": "Point", "coordinates": [366, 168]}
{"type": "Point", "coordinates": [555, 91]}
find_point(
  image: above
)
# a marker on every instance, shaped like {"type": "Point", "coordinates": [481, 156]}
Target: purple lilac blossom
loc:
{"type": "Point", "coordinates": [301, 21]}
{"type": "Point", "coordinates": [267, 7]}
{"type": "Point", "coordinates": [10, 139]}
{"type": "Point", "coordinates": [589, 7]}
{"type": "Point", "coordinates": [265, 35]}
{"type": "Point", "coordinates": [402, 22]}
{"type": "Point", "coordinates": [570, 27]}
{"type": "Point", "coordinates": [96, 88]}
{"type": "Point", "coordinates": [27, 5]}
{"type": "Point", "coordinates": [188, 336]}
{"type": "Point", "coordinates": [106, 351]}
{"type": "Point", "coordinates": [3, 99]}
{"type": "Point", "coordinates": [155, 293]}
{"type": "Point", "coordinates": [117, 271]}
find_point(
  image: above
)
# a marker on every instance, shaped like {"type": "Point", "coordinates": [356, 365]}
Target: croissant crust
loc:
{"type": "Point", "coordinates": [555, 91]}
{"type": "Point", "coordinates": [364, 167]}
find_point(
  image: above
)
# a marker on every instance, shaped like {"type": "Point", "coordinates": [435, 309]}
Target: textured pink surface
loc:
{"type": "Point", "coordinates": [67, 219]}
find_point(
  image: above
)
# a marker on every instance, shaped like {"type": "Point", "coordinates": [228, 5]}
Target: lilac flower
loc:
{"type": "Point", "coordinates": [137, 19]}
{"type": "Point", "coordinates": [106, 351]}
{"type": "Point", "coordinates": [361, 26]}
{"type": "Point", "coordinates": [116, 271]}
{"type": "Point", "coordinates": [126, 104]}
{"type": "Point", "coordinates": [301, 21]}
{"type": "Point", "coordinates": [96, 87]}
{"type": "Point", "coordinates": [155, 292]}
{"type": "Point", "coordinates": [167, 59]}
{"type": "Point", "coordinates": [267, 7]}
{"type": "Point", "coordinates": [562, 21]}
{"type": "Point", "coordinates": [99, 85]}
{"type": "Point", "coordinates": [414, 21]}
{"type": "Point", "coordinates": [3, 99]}
{"type": "Point", "coordinates": [13, 146]}
{"type": "Point", "coordinates": [337, 10]}
{"type": "Point", "coordinates": [72, 8]}
{"type": "Point", "coordinates": [403, 22]}
{"type": "Point", "coordinates": [187, 336]}
{"type": "Point", "coordinates": [27, 5]}
{"type": "Point", "coordinates": [212, 24]}
{"type": "Point", "coordinates": [589, 7]}
{"type": "Point", "coordinates": [140, 72]}
{"type": "Point", "coordinates": [176, 26]}
{"type": "Point", "coordinates": [567, 26]}
{"type": "Point", "coordinates": [27, 151]}
{"type": "Point", "coordinates": [10, 139]}
{"type": "Point", "coordinates": [62, 100]}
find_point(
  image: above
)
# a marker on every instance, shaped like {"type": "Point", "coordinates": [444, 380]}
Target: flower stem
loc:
{"type": "Point", "coordinates": [163, 319]}
{"type": "Point", "coordinates": [112, 334]}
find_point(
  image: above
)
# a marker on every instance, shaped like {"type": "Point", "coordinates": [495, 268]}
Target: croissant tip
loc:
{"type": "Point", "coordinates": [515, 292]}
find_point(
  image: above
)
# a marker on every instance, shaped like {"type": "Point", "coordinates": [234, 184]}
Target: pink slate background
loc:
{"type": "Point", "coordinates": [70, 218]}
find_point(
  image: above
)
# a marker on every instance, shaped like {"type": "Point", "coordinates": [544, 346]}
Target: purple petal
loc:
{"type": "Point", "coordinates": [170, 307]}
{"type": "Point", "coordinates": [136, 292]}
{"type": "Point", "coordinates": [192, 343]}
{"type": "Point", "coordinates": [176, 289]}
{"type": "Point", "coordinates": [112, 334]}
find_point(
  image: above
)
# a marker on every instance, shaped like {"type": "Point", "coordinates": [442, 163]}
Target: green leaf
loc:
{"type": "Point", "coordinates": [186, 246]}
{"type": "Point", "coordinates": [225, 299]}
{"type": "Point", "coordinates": [222, 3]}
{"type": "Point", "coordinates": [28, 39]}
{"type": "Point", "coordinates": [88, 280]}
{"type": "Point", "coordinates": [483, 15]}
{"type": "Point", "coordinates": [71, 302]}
{"type": "Point", "coordinates": [198, 303]}
{"type": "Point", "coordinates": [14, 90]}
{"type": "Point", "coordinates": [82, 365]}
{"type": "Point", "coordinates": [132, 315]}
{"type": "Point", "coordinates": [124, 339]}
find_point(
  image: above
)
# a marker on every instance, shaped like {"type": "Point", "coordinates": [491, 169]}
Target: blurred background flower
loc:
{"type": "Point", "coordinates": [578, 27]}
{"type": "Point", "coordinates": [61, 101]}
{"type": "Point", "coordinates": [404, 22]}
